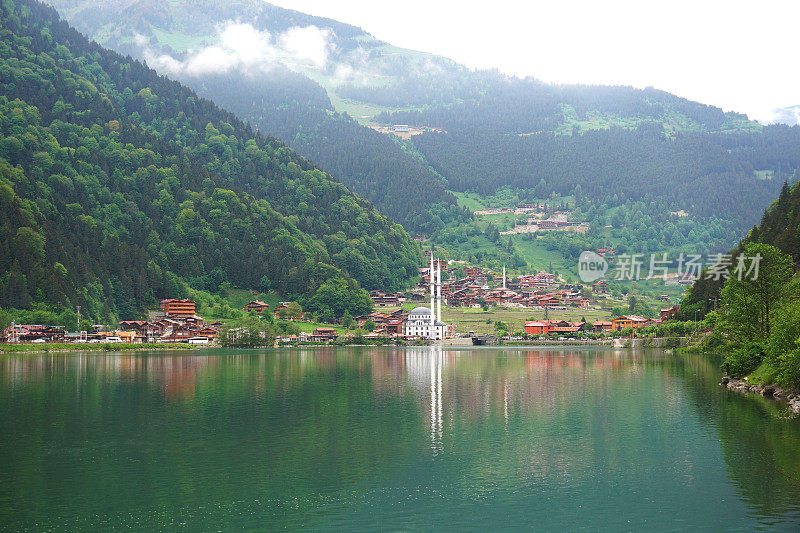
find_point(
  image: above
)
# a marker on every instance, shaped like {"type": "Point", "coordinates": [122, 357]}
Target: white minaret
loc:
{"type": "Point", "coordinates": [433, 281]}
{"type": "Point", "coordinates": [504, 276]}
{"type": "Point", "coordinates": [439, 290]}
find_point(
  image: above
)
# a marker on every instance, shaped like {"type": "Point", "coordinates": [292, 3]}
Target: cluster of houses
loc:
{"type": "Point", "coordinates": [539, 290]}
{"type": "Point", "coordinates": [567, 329]}
{"type": "Point", "coordinates": [175, 321]}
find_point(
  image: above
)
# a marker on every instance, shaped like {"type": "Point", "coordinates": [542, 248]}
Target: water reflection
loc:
{"type": "Point", "coordinates": [367, 438]}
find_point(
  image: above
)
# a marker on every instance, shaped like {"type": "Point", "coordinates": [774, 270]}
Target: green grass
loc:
{"type": "Point", "coordinates": [470, 200]}
{"type": "Point", "coordinates": [238, 298]}
{"type": "Point", "coordinates": [765, 374]}
{"type": "Point", "coordinates": [540, 258]}
{"type": "Point", "coordinates": [178, 41]}
{"type": "Point", "coordinates": [468, 319]}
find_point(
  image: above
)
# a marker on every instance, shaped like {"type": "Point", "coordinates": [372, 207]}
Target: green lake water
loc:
{"type": "Point", "coordinates": [390, 439]}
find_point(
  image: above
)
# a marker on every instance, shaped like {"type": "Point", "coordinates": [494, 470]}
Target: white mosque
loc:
{"type": "Point", "coordinates": [427, 322]}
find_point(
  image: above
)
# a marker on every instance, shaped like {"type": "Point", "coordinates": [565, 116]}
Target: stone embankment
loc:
{"type": "Point", "coordinates": [767, 391]}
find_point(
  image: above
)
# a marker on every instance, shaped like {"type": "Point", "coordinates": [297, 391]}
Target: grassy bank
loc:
{"type": "Point", "coordinates": [108, 347]}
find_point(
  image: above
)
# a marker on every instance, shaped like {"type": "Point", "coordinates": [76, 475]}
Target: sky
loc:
{"type": "Point", "coordinates": [740, 56]}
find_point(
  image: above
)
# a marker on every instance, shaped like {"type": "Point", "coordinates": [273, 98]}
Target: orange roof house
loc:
{"type": "Point", "coordinates": [176, 307]}
{"type": "Point", "coordinates": [628, 321]}
{"type": "Point", "coordinates": [542, 327]}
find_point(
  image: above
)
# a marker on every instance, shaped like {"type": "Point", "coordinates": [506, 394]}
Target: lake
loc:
{"type": "Point", "coordinates": [391, 439]}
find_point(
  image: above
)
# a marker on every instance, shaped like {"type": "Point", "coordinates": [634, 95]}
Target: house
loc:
{"type": "Point", "coordinates": [671, 313]}
{"type": "Point", "coordinates": [542, 327]}
{"type": "Point", "coordinates": [392, 299]}
{"type": "Point", "coordinates": [547, 224]}
{"type": "Point", "coordinates": [33, 333]}
{"type": "Point", "coordinates": [600, 287]}
{"type": "Point", "coordinates": [602, 326]}
{"type": "Point", "coordinates": [256, 305]}
{"type": "Point", "coordinates": [282, 307]}
{"type": "Point", "coordinates": [628, 321]}
{"type": "Point", "coordinates": [175, 307]}
{"type": "Point", "coordinates": [117, 336]}
{"type": "Point", "coordinates": [323, 335]}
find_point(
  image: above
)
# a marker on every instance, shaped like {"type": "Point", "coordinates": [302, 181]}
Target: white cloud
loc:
{"type": "Point", "coordinates": [310, 44]}
{"type": "Point", "coordinates": [240, 45]}
{"type": "Point", "coordinates": [734, 54]}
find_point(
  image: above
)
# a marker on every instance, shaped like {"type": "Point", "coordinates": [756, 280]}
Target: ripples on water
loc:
{"type": "Point", "coordinates": [417, 438]}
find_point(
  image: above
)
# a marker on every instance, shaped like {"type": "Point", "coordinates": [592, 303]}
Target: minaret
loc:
{"type": "Point", "coordinates": [439, 290]}
{"type": "Point", "coordinates": [504, 277]}
{"type": "Point", "coordinates": [433, 281]}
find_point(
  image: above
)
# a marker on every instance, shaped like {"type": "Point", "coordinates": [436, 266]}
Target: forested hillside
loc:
{"type": "Point", "coordinates": [279, 102]}
{"type": "Point", "coordinates": [119, 187]}
{"type": "Point", "coordinates": [633, 157]}
{"type": "Point", "coordinates": [779, 227]}
{"type": "Point", "coordinates": [614, 149]}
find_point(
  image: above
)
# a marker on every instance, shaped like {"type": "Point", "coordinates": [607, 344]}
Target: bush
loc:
{"type": "Point", "coordinates": [789, 369]}
{"type": "Point", "coordinates": [744, 360]}
{"type": "Point", "coordinates": [672, 342]}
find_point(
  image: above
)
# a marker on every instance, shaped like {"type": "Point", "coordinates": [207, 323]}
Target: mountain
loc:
{"type": "Point", "coordinates": [787, 115]}
{"type": "Point", "coordinates": [634, 157]}
{"type": "Point", "coordinates": [779, 227]}
{"type": "Point", "coordinates": [119, 187]}
{"type": "Point", "coordinates": [258, 61]}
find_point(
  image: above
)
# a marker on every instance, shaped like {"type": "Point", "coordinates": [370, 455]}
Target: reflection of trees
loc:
{"type": "Point", "coordinates": [269, 435]}
{"type": "Point", "coordinates": [760, 446]}
{"type": "Point", "coordinates": [85, 435]}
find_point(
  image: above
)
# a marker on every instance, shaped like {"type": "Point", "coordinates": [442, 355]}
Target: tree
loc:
{"type": "Point", "coordinates": [369, 325]}
{"type": "Point", "coordinates": [247, 332]}
{"type": "Point", "coordinates": [748, 303]}
{"type": "Point", "coordinates": [347, 320]}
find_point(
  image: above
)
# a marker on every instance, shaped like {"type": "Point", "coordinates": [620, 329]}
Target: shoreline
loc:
{"type": "Point", "coordinates": [20, 349]}
{"type": "Point", "coordinates": [773, 392]}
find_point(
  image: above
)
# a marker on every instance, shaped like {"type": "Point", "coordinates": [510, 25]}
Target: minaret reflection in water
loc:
{"type": "Point", "coordinates": [425, 366]}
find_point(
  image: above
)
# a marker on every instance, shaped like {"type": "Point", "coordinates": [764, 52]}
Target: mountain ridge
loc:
{"type": "Point", "coordinates": [119, 186]}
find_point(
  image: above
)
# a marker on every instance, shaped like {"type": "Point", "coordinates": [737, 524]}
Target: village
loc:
{"type": "Point", "coordinates": [536, 219]}
{"type": "Point", "coordinates": [397, 316]}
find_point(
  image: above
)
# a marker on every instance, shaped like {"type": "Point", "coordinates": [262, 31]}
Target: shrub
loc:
{"type": "Point", "coordinates": [744, 360]}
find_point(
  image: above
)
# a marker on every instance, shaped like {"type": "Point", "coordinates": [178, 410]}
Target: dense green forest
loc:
{"type": "Point", "coordinates": [119, 187]}
{"type": "Point", "coordinates": [755, 319]}
{"type": "Point", "coordinates": [280, 102]}
{"type": "Point", "coordinates": [373, 165]}
{"type": "Point", "coordinates": [779, 227]}
{"type": "Point", "coordinates": [631, 157]}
